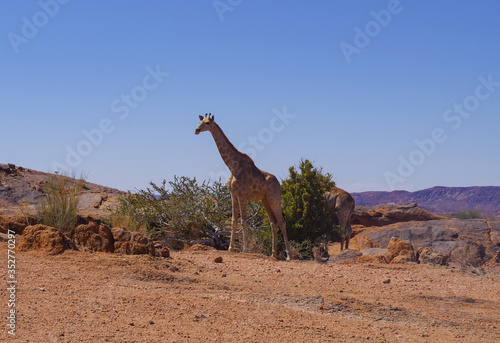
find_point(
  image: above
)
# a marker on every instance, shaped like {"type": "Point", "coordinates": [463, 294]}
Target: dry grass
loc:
{"type": "Point", "coordinates": [127, 220]}
{"type": "Point", "coordinates": [59, 206]}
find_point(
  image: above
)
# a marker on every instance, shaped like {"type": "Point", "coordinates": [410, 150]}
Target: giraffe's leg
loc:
{"type": "Point", "coordinates": [327, 239]}
{"type": "Point", "coordinates": [282, 225]}
{"type": "Point", "coordinates": [236, 209]}
{"type": "Point", "coordinates": [348, 231]}
{"type": "Point", "coordinates": [342, 238]}
{"type": "Point", "coordinates": [278, 213]}
{"type": "Point", "coordinates": [243, 209]}
{"type": "Point", "coordinates": [342, 228]}
{"type": "Point", "coordinates": [274, 227]}
{"type": "Point", "coordinates": [345, 229]}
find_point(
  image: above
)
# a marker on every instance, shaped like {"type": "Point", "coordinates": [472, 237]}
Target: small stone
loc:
{"type": "Point", "coordinates": [387, 281]}
{"type": "Point", "coordinates": [218, 259]}
{"type": "Point", "coordinates": [151, 322]}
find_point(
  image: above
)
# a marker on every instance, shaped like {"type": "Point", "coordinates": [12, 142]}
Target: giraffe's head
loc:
{"type": "Point", "coordinates": [206, 123]}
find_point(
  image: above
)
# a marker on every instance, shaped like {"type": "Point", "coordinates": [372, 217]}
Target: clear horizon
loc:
{"type": "Point", "coordinates": [384, 95]}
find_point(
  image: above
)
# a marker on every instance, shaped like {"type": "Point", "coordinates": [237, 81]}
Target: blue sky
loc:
{"type": "Point", "coordinates": [382, 94]}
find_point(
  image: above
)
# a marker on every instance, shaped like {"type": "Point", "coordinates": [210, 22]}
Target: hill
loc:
{"type": "Point", "coordinates": [440, 200]}
{"type": "Point", "coordinates": [25, 187]}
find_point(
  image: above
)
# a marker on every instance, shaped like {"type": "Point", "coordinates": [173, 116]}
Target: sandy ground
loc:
{"type": "Point", "coordinates": [85, 297]}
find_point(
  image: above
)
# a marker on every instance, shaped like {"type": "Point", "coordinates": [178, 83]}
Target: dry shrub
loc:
{"type": "Point", "coordinates": [59, 206]}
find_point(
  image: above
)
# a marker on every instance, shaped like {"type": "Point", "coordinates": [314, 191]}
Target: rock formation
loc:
{"type": "Point", "coordinates": [45, 239]}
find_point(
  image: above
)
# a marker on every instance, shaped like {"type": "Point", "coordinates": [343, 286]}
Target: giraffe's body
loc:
{"type": "Point", "coordinates": [247, 182]}
{"type": "Point", "coordinates": [343, 203]}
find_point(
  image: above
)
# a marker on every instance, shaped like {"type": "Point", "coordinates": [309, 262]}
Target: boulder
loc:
{"type": "Point", "coordinates": [468, 253]}
{"type": "Point", "coordinates": [374, 252]}
{"type": "Point", "coordinates": [403, 258]}
{"type": "Point", "coordinates": [161, 250]}
{"type": "Point", "coordinates": [381, 215]}
{"type": "Point", "coordinates": [495, 233]}
{"type": "Point", "coordinates": [371, 259]}
{"type": "Point", "coordinates": [372, 255]}
{"type": "Point", "coordinates": [495, 261]}
{"type": "Point", "coordinates": [429, 256]}
{"type": "Point", "coordinates": [132, 243]}
{"type": "Point", "coordinates": [345, 256]}
{"type": "Point", "coordinates": [471, 241]}
{"type": "Point", "coordinates": [94, 237]}
{"type": "Point", "coordinates": [15, 221]}
{"type": "Point", "coordinates": [399, 251]}
{"type": "Point", "coordinates": [45, 239]}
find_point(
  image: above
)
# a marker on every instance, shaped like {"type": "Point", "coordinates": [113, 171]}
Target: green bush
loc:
{"type": "Point", "coordinates": [59, 206]}
{"type": "Point", "coordinates": [304, 205]}
{"type": "Point", "coordinates": [470, 214]}
{"type": "Point", "coordinates": [185, 213]}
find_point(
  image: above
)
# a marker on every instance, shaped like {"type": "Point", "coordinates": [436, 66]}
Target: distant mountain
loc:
{"type": "Point", "coordinates": [440, 200]}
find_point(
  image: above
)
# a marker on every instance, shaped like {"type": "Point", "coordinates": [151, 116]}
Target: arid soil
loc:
{"type": "Point", "coordinates": [103, 297]}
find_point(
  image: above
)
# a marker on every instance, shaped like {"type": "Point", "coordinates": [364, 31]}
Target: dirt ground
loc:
{"type": "Point", "coordinates": [85, 297]}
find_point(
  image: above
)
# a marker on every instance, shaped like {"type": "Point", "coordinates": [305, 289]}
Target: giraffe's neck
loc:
{"type": "Point", "coordinates": [231, 156]}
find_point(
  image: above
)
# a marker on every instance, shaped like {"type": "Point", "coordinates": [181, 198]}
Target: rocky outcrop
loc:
{"type": "Point", "coordinates": [381, 215]}
{"type": "Point", "coordinates": [98, 237]}
{"type": "Point", "coordinates": [161, 250]}
{"type": "Point", "coordinates": [24, 188]}
{"type": "Point", "coordinates": [45, 239]}
{"type": "Point", "coordinates": [495, 233]}
{"type": "Point", "coordinates": [495, 261]}
{"type": "Point", "coordinates": [132, 243]}
{"type": "Point", "coordinates": [371, 259]}
{"type": "Point", "coordinates": [429, 256]}
{"type": "Point", "coordinates": [345, 256]}
{"type": "Point", "coordinates": [94, 237]}
{"type": "Point", "coordinates": [10, 169]}
{"type": "Point", "coordinates": [15, 222]}
{"type": "Point", "coordinates": [462, 241]}
{"type": "Point", "coordinates": [469, 253]}
{"type": "Point", "coordinates": [399, 251]}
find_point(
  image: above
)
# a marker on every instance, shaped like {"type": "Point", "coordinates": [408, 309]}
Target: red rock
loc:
{"type": "Point", "coordinates": [45, 239]}
{"type": "Point", "coordinates": [94, 237]}
{"type": "Point", "coordinates": [399, 251]}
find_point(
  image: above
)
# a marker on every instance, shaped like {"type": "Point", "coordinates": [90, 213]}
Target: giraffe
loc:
{"type": "Point", "coordinates": [247, 182]}
{"type": "Point", "coordinates": [343, 203]}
